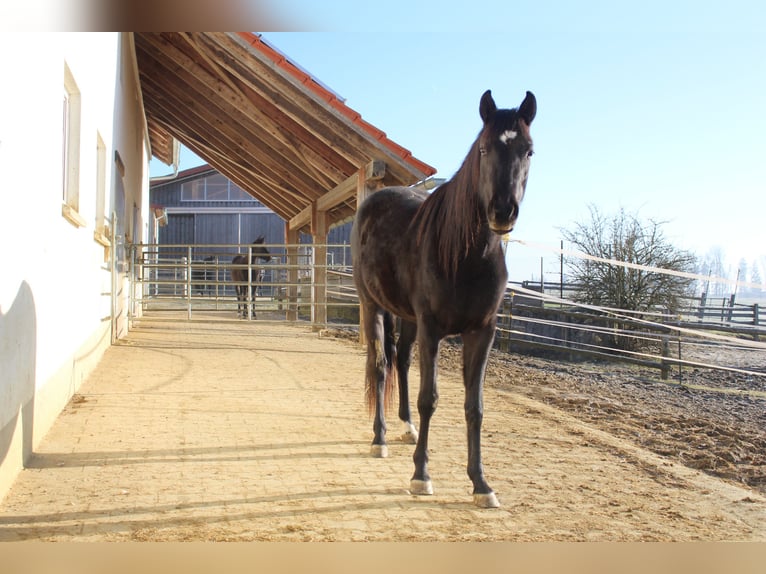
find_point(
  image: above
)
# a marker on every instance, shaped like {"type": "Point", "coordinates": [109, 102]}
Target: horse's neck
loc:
{"type": "Point", "coordinates": [455, 223]}
{"type": "Point", "coordinates": [483, 243]}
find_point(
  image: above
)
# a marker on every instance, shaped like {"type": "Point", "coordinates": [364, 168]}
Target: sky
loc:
{"type": "Point", "coordinates": [654, 107]}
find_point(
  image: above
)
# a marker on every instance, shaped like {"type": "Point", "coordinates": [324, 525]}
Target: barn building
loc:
{"type": "Point", "coordinates": [83, 113]}
{"type": "Point", "coordinates": [202, 207]}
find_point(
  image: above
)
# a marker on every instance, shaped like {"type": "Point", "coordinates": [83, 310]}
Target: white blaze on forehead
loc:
{"type": "Point", "coordinates": [507, 135]}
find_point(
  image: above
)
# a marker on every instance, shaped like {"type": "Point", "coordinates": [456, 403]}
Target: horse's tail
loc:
{"type": "Point", "coordinates": [385, 359]}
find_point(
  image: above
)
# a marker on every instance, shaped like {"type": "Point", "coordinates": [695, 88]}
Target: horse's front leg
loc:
{"type": "Point", "coordinates": [241, 312]}
{"type": "Point", "coordinates": [428, 397]}
{"type": "Point", "coordinates": [403, 358]}
{"type": "Point", "coordinates": [251, 295]}
{"type": "Point", "coordinates": [248, 295]}
{"type": "Point", "coordinates": [476, 346]}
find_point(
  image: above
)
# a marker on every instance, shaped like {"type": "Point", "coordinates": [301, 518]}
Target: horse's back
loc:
{"type": "Point", "coordinates": [391, 206]}
{"type": "Point", "coordinates": [383, 220]}
{"type": "Point", "coordinates": [381, 240]}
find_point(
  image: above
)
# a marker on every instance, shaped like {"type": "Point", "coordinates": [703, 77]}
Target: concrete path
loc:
{"type": "Point", "coordinates": [229, 430]}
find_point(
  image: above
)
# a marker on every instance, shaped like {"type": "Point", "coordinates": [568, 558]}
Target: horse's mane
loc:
{"type": "Point", "coordinates": [451, 214]}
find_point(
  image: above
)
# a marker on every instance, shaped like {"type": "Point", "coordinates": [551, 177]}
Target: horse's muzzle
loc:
{"type": "Point", "coordinates": [501, 221]}
{"type": "Point", "coordinates": [500, 230]}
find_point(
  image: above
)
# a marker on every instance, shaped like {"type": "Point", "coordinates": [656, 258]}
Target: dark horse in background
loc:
{"type": "Point", "coordinates": [437, 263]}
{"type": "Point", "coordinates": [203, 272]}
{"type": "Point", "coordinates": [245, 284]}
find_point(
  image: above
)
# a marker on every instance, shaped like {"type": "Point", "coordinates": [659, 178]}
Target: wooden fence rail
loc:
{"type": "Point", "coordinates": [526, 324]}
{"type": "Point", "coordinates": [702, 309]}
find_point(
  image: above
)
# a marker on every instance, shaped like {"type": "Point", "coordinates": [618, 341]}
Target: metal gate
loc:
{"type": "Point", "coordinates": [195, 279]}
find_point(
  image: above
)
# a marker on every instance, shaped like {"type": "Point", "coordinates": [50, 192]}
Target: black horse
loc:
{"type": "Point", "coordinates": [203, 272]}
{"type": "Point", "coordinates": [245, 278]}
{"type": "Point", "coordinates": [437, 263]}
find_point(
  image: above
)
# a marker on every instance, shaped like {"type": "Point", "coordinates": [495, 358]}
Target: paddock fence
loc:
{"type": "Point", "coordinates": [538, 320]}
{"type": "Point", "coordinates": [301, 282]}
{"type": "Point", "coordinates": [313, 284]}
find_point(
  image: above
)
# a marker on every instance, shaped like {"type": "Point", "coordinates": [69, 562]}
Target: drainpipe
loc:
{"type": "Point", "coordinates": [176, 161]}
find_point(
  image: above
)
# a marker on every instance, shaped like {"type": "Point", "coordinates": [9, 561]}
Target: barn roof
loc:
{"type": "Point", "coordinates": [264, 123]}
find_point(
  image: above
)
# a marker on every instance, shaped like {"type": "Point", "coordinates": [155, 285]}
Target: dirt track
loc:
{"type": "Point", "coordinates": [255, 431]}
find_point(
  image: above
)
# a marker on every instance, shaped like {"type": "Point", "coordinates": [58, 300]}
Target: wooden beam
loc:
{"type": "Point", "coordinates": [282, 91]}
{"type": "Point", "coordinates": [251, 134]}
{"type": "Point", "coordinates": [319, 269]}
{"type": "Point", "coordinates": [375, 170]}
{"type": "Point", "coordinates": [291, 240]}
{"type": "Point", "coordinates": [210, 62]}
{"type": "Point", "coordinates": [278, 104]}
{"type": "Point", "coordinates": [277, 199]}
{"type": "Point", "coordinates": [298, 101]}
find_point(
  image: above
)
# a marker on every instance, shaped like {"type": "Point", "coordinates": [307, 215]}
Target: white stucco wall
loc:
{"type": "Point", "coordinates": [55, 300]}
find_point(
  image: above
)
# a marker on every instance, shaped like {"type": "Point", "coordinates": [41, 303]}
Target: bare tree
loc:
{"type": "Point", "coordinates": [755, 277]}
{"type": "Point", "coordinates": [624, 237]}
{"type": "Point", "coordinates": [742, 273]}
{"type": "Point", "coordinates": [712, 265]}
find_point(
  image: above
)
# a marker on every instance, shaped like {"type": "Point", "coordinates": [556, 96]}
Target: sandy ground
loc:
{"type": "Point", "coordinates": [234, 430]}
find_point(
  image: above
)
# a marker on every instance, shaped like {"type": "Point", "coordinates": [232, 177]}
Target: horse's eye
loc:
{"type": "Point", "coordinates": [530, 153]}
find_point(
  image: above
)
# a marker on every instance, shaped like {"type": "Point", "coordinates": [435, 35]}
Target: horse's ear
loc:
{"type": "Point", "coordinates": [528, 108]}
{"type": "Point", "coordinates": [487, 107]}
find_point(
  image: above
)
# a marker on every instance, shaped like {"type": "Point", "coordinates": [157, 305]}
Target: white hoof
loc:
{"type": "Point", "coordinates": [379, 451]}
{"type": "Point", "coordinates": [410, 435]}
{"type": "Point", "coordinates": [488, 500]}
{"type": "Point", "coordinates": [421, 487]}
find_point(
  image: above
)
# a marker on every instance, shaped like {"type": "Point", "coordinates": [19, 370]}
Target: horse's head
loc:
{"type": "Point", "coordinates": [259, 251]}
{"type": "Point", "coordinates": [505, 148]}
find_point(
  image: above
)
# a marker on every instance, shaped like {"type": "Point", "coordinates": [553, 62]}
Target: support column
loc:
{"type": "Point", "coordinates": [291, 292]}
{"type": "Point", "coordinates": [319, 269]}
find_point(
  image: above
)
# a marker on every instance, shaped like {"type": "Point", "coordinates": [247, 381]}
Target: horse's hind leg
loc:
{"type": "Point", "coordinates": [403, 358]}
{"type": "Point", "coordinates": [476, 345]}
{"type": "Point", "coordinates": [375, 376]}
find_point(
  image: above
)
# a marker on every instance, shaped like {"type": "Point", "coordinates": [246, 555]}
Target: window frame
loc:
{"type": "Point", "coordinates": [70, 152]}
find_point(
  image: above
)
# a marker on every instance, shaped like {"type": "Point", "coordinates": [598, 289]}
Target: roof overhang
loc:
{"type": "Point", "coordinates": [264, 123]}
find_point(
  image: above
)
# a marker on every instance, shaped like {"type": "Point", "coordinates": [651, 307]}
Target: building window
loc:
{"type": "Point", "coordinates": [70, 151]}
{"type": "Point", "coordinates": [193, 190]}
{"type": "Point", "coordinates": [100, 229]}
{"type": "Point", "coordinates": [238, 194]}
{"type": "Point", "coordinates": [214, 187]}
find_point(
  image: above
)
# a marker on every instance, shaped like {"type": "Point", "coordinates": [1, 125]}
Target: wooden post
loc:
{"type": "Point", "coordinates": [188, 282]}
{"type": "Point", "coordinates": [250, 298]}
{"type": "Point", "coordinates": [362, 193]}
{"type": "Point", "coordinates": [703, 302]}
{"type": "Point", "coordinates": [319, 274]}
{"type": "Point", "coordinates": [291, 292]}
{"type": "Point", "coordinates": [665, 368]}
